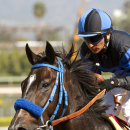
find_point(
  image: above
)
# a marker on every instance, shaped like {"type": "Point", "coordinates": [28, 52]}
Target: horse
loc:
{"type": "Point", "coordinates": [79, 87]}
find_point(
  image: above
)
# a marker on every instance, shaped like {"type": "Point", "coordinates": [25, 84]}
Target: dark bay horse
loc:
{"type": "Point", "coordinates": [38, 86]}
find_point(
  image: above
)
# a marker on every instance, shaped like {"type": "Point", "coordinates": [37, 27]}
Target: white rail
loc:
{"type": "Point", "coordinates": [12, 79]}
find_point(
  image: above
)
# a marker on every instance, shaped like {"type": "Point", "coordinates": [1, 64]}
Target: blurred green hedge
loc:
{"type": "Point", "coordinates": [5, 121]}
{"type": "Point", "coordinates": [14, 63]}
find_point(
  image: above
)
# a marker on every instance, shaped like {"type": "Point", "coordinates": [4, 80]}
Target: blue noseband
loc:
{"type": "Point", "coordinates": [36, 110]}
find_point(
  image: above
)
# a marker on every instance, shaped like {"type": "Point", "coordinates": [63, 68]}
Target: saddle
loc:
{"type": "Point", "coordinates": [116, 122]}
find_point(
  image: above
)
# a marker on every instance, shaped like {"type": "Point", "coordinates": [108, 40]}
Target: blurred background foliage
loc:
{"type": "Point", "coordinates": [16, 63]}
{"type": "Point", "coordinates": [39, 9]}
{"type": "Point", "coordinates": [13, 63]}
{"type": "Point", "coordinates": [122, 21]}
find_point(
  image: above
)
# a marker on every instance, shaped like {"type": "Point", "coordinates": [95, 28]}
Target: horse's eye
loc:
{"type": "Point", "coordinates": [45, 85]}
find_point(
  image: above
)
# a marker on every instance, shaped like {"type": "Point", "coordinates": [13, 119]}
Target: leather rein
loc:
{"type": "Point", "coordinates": [73, 115]}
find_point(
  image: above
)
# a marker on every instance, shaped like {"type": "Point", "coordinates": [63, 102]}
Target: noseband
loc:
{"type": "Point", "coordinates": [36, 110]}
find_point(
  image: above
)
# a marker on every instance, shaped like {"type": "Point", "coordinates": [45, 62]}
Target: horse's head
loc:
{"type": "Point", "coordinates": [44, 96]}
{"type": "Point", "coordinates": [37, 88]}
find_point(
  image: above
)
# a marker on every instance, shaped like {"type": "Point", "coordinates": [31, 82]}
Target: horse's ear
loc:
{"type": "Point", "coordinates": [50, 53]}
{"type": "Point", "coordinates": [32, 57]}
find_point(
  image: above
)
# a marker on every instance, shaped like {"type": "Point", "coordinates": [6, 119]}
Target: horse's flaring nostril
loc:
{"type": "Point", "coordinates": [20, 128]}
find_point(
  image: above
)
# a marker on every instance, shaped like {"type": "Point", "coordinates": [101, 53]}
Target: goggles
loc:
{"type": "Point", "coordinates": [94, 39]}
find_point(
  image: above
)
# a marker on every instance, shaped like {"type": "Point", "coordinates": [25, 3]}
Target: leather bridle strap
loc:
{"type": "Point", "coordinates": [55, 122]}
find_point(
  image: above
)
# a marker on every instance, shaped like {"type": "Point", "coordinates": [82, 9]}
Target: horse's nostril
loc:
{"type": "Point", "coordinates": [20, 128]}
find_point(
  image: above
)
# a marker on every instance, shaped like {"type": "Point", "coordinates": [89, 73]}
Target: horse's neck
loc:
{"type": "Point", "coordinates": [76, 97]}
{"type": "Point", "coordinates": [76, 101]}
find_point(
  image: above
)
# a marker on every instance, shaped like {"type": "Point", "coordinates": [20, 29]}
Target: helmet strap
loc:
{"type": "Point", "coordinates": [106, 43]}
{"type": "Point", "coordinates": [105, 46]}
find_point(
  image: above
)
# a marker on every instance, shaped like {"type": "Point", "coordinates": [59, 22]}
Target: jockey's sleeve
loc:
{"type": "Point", "coordinates": [125, 82]}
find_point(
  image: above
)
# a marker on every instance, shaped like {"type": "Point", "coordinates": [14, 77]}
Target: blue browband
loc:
{"type": "Point", "coordinates": [36, 110]}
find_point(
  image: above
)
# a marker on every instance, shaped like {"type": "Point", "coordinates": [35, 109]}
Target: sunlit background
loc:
{"type": "Point", "coordinates": [35, 22]}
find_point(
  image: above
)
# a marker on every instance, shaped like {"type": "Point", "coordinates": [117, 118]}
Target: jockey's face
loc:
{"type": "Point", "coordinates": [96, 47]}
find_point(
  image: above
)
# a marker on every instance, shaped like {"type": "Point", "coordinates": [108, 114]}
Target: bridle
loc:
{"type": "Point", "coordinates": [37, 111]}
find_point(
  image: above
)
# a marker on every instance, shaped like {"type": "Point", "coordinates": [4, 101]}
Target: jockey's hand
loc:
{"type": "Point", "coordinates": [110, 83]}
{"type": "Point", "coordinates": [115, 82]}
{"type": "Point", "coordinates": [98, 78]}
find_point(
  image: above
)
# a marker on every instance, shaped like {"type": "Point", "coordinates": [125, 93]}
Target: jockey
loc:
{"type": "Point", "coordinates": [110, 48]}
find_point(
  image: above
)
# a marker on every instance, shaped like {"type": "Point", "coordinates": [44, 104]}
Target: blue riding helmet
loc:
{"type": "Point", "coordinates": [94, 22]}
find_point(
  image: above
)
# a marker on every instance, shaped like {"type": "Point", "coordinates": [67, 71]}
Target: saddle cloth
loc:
{"type": "Point", "coordinates": [116, 122]}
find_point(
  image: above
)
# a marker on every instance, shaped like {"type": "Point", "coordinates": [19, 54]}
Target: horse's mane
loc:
{"type": "Point", "coordinates": [80, 69]}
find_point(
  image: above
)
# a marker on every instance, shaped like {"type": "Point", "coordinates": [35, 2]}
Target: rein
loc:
{"type": "Point", "coordinates": [55, 122]}
{"type": "Point", "coordinates": [73, 115]}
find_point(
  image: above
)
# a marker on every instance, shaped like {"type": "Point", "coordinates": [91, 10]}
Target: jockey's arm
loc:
{"type": "Point", "coordinates": [109, 84]}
